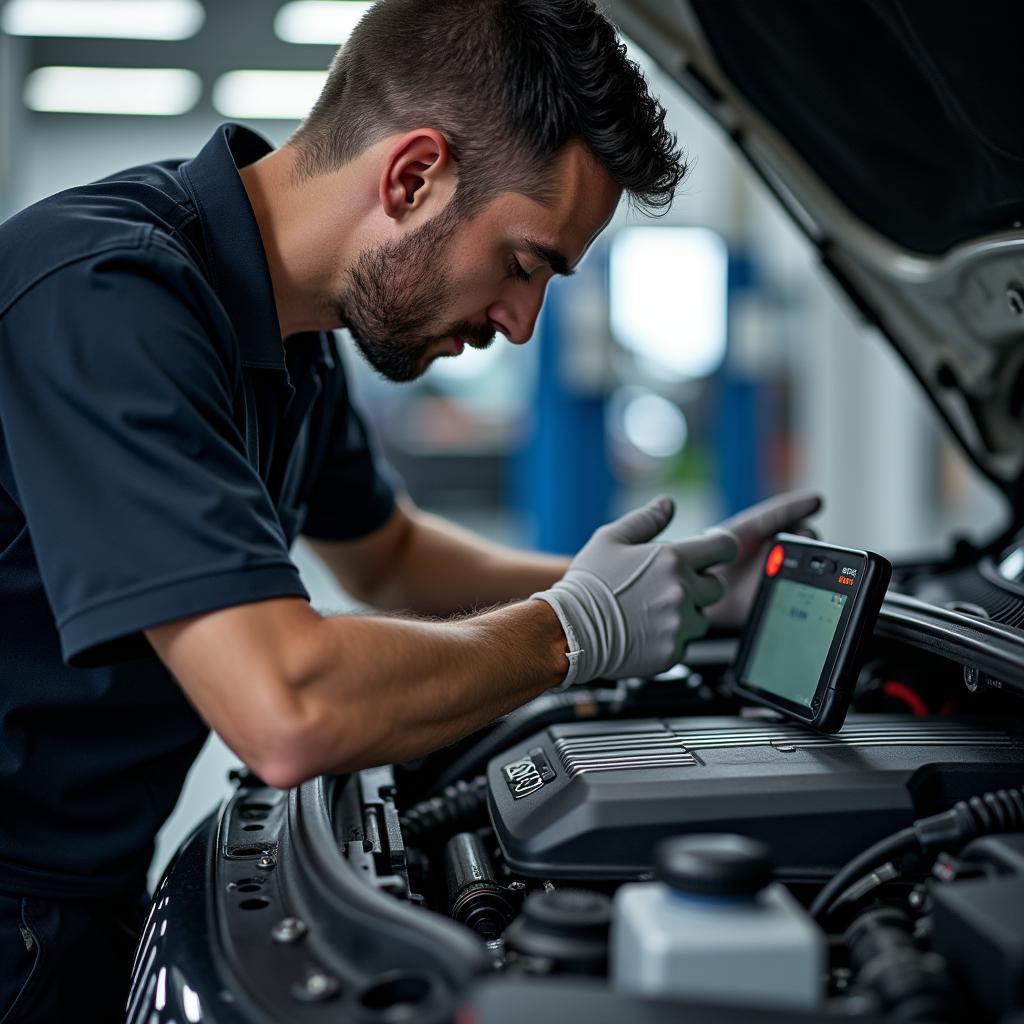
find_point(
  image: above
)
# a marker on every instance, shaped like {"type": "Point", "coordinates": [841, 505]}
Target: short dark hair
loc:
{"type": "Point", "coordinates": [508, 83]}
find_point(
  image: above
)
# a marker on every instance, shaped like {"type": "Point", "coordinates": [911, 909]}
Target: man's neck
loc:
{"type": "Point", "coordinates": [294, 238]}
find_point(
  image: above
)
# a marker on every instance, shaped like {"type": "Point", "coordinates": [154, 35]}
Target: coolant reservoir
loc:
{"type": "Point", "coordinates": [716, 928]}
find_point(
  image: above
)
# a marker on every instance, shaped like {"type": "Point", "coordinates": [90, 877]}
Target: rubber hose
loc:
{"type": "Point", "coordinates": [455, 808]}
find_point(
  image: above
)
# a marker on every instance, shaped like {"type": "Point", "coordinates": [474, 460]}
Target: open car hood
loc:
{"type": "Point", "coordinates": [893, 133]}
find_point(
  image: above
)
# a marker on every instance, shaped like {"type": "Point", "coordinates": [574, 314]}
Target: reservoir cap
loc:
{"type": "Point", "coordinates": [713, 864]}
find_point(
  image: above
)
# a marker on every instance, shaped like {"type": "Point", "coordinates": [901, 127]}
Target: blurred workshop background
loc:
{"type": "Point", "coordinates": [702, 354]}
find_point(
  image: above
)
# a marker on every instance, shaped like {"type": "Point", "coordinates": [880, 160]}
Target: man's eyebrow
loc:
{"type": "Point", "coordinates": [552, 257]}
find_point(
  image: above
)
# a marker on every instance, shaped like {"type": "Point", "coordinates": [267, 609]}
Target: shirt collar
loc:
{"type": "Point", "coordinates": [234, 248]}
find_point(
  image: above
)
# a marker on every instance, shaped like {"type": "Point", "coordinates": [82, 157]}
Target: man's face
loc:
{"type": "Point", "coordinates": [452, 283]}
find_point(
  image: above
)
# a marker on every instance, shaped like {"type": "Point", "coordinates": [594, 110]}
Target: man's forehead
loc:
{"type": "Point", "coordinates": [580, 185]}
{"type": "Point", "coordinates": [585, 198]}
{"type": "Point", "coordinates": [560, 231]}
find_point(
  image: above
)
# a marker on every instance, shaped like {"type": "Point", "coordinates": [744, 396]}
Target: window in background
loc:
{"type": "Point", "coordinates": [668, 295]}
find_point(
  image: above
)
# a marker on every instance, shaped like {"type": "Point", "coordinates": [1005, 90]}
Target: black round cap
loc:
{"type": "Point", "coordinates": [713, 865]}
{"type": "Point", "coordinates": [566, 927]}
{"type": "Point", "coordinates": [579, 913]}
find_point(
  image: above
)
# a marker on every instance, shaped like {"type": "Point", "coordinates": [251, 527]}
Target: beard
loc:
{"type": "Point", "coordinates": [395, 298]}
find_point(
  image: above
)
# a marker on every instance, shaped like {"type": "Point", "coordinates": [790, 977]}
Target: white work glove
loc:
{"type": "Point", "coordinates": [754, 528]}
{"type": "Point", "coordinates": [629, 607]}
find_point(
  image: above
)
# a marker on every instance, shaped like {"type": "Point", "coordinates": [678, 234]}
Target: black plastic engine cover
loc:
{"type": "Point", "coordinates": [590, 800]}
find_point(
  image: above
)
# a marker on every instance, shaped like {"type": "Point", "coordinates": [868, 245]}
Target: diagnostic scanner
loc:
{"type": "Point", "coordinates": [802, 647]}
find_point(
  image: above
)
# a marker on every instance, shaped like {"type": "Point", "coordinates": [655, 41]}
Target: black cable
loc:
{"type": "Point", "coordinates": [1000, 810]}
{"type": "Point", "coordinates": [904, 841]}
{"type": "Point", "coordinates": [864, 886]}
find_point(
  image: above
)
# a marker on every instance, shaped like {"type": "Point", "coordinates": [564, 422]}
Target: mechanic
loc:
{"type": "Point", "coordinates": [173, 414]}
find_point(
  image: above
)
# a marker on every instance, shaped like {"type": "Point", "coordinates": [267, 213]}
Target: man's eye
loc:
{"type": "Point", "coordinates": [515, 269]}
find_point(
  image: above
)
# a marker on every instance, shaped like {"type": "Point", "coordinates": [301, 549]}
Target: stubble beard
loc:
{"type": "Point", "coordinates": [395, 297]}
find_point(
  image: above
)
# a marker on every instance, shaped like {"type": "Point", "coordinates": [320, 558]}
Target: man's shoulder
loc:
{"type": "Point", "coordinates": [145, 211]}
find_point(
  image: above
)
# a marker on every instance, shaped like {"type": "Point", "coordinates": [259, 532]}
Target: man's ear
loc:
{"type": "Point", "coordinates": [417, 172]}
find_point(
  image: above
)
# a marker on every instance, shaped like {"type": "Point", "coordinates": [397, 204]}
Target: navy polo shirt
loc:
{"type": "Point", "coordinates": [160, 449]}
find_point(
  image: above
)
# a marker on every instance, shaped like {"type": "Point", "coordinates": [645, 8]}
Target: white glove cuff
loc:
{"type": "Point", "coordinates": [575, 651]}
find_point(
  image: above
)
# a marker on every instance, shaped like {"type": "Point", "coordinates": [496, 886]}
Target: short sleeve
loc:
{"type": "Point", "coordinates": [118, 390]}
{"type": "Point", "coordinates": [351, 490]}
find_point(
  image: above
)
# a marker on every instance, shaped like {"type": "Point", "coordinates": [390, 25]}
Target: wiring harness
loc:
{"type": "Point", "coordinates": [1000, 810]}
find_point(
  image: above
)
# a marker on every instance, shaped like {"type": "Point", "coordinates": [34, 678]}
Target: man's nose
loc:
{"type": "Point", "coordinates": [517, 319]}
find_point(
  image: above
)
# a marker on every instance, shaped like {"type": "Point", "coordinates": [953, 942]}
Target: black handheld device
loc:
{"type": "Point", "coordinates": [815, 607]}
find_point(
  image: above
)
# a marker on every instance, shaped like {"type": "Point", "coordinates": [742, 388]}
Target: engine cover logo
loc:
{"type": "Point", "coordinates": [528, 774]}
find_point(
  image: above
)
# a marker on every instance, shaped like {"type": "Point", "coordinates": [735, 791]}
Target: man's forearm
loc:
{"type": "Point", "coordinates": [295, 694]}
{"type": "Point", "coordinates": [398, 688]}
{"type": "Point", "coordinates": [442, 569]}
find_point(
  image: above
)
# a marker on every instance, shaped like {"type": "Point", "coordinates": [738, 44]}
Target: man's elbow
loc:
{"type": "Point", "coordinates": [285, 773]}
{"type": "Point", "coordinates": [285, 769]}
{"type": "Point", "coordinates": [304, 743]}
{"type": "Point", "coordinates": [265, 677]}
{"type": "Point", "coordinates": [288, 755]}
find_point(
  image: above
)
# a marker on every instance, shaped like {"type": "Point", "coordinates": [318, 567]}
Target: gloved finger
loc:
{"type": "Point", "coordinates": [703, 588]}
{"type": "Point", "coordinates": [642, 524]}
{"type": "Point", "coordinates": [692, 627]}
{"type": "Point", "coordinates": [754, 525]}
{"type": "Point", "coordinates": [709, 548]}
{"type": "Point", "coordinates": [807, 531]}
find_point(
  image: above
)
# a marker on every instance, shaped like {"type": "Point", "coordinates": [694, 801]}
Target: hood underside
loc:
{"type": "Point", "coordinates": [893, 133]}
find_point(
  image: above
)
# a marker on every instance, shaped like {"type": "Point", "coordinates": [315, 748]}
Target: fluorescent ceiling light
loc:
{"type": "Point", "coordinates": [267, 94]}
{"type": "Point", "coordinates": [104, 19]}
{"type": "Point", "coordinates": [162, 91]}
{"type": "Point", "coordinates": [319, 21]}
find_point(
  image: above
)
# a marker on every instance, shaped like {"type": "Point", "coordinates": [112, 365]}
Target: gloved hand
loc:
{"type": "Point", "coordinates": [629, 607]}
{"type": "Point", "coordinates": [753, 528]}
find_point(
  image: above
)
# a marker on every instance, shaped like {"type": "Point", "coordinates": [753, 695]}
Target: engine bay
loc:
{"type": "Point", "coordinates": [644, 848]}
{"type": "Point", "coordinates": [545, 825]}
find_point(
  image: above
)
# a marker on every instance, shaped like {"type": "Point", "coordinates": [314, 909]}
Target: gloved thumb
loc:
{"type": "Point", "coordinates": [643, 524]}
